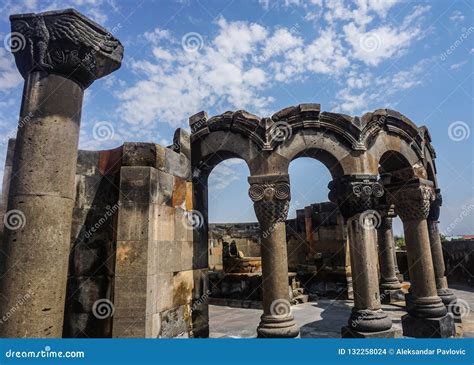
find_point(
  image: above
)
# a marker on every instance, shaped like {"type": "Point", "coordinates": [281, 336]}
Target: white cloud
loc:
{"type": "Point", "coordinates": [378, 44]}
{"type": "Point", "coordinates": [225, 173]}
{"type": "Point", "coordinates": [456, 66]}
{"type": "Point", "coordinates": [9, 75]}
{"type": "Point", "coordinates": [237, 67]}
{"type": "Point", "coordinates": [456, 16]}
{"type": "Point", "coordinates": [365, 91]}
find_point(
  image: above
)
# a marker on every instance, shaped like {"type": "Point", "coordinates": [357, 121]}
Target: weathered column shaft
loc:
{"type": "Point", "coordinates": [274, 267]}
{"type": "Point", "coordinates": [57, 65]}
{"type": "Point", "coordinates": [420, 265]}
{"type": "Point", "coordinates": [356, 196]}
{"type": "Point", "coordinates": [363, 264]}
{"type": "Point", "coordinates": [386, 250]}
{"type": "Point", "coordinates": [42, 191]}
{"type": "Point", "coordinates": [271, 197]}
{"type": "Point", "coordinates": [446, 295]}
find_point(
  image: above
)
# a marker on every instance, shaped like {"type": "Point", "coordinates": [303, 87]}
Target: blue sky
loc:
{"type": "Point", "coordinates": [182, 57]}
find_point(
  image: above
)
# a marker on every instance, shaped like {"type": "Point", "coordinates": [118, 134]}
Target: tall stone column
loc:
{"type": "Point", "coordinates": [356, 196]}
{"type": "Point", "coordinates": [427, 315]}
{"type": "Point", "coordinates": [271, 197]}
{"type": "Point", "coordinates": [390, 286]}
{"type": "Point", "coordinates": [398, 274]}
{"type": "Point", "coordinates": [59, 54]}
{"type": "Point", "coordinates": [446, 295]}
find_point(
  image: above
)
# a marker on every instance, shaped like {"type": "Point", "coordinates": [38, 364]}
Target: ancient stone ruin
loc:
{"type": "Point", "coordinates": [115, 243]}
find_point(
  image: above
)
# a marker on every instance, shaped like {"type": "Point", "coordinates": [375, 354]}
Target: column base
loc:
{"type": "Point", "coordinates": [393, 284]}
{"type": "Point", "coordinates": [277, 327]}
{"type": "Point", "coordinates": [457, 309]}
{"type": "Point", "coordinates": [400, 277]}
{"type": "Point", "coordinates": [366, 320]}
{"type": "Point", "coordinates": [426, 307]}
{"type": "Point", "coordinates": [348, 332]}
{"type": "Point", "coordinates": [441, 327]}
{"type": "Point", "coordinates": [447, 296]}
{"type": "Point", "coordinates": [391, 296]}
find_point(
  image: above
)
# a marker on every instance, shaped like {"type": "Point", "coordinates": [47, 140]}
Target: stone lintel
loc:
{"type": "Point", "coordinates": [262, 179]}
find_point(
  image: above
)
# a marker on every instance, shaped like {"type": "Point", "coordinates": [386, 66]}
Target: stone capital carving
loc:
{"type": "Point", "coordinates": [435, 206]}
{"type": "Point", "coordinates": [271, 197]}
{"type": "Point", "coordinates": [355, 193]}
{"type": "Point", "coordinates": [64, 42]}
{"type": "Point", "coordinates": [412, 200]}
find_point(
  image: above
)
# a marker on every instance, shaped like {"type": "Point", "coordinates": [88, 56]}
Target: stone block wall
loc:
{"type": "Point", "coordinates": [316, 246]}
{"type": "Point", "coordinates": [132, 271]}
{"type": "Point", "coordinates": [158, 293]}
{"type": "Point", "coordinates": [93, 244]}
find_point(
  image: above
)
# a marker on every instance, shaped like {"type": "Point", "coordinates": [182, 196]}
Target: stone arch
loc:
{"type": "Point", "coordinates": [353, 149]}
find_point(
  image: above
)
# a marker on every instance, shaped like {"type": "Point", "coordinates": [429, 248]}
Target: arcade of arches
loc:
{"type": "Point", "coordinates": [116, 242]}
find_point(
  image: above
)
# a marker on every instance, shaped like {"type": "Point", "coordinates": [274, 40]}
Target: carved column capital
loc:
{"type": "Point", "coordinates": [271, 197]}
{"type": "Point", "coordinates": [412, 200]}
{"type": "Point", "coordinates": [355, 193]}
{"type": "Point", "coordinates": [435, 206]}
{"type": "Point", "coordinates": [64, 42]}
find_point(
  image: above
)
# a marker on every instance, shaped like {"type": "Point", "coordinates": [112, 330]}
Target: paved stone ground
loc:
{"type": "Point", "coordinates": [321, 319]}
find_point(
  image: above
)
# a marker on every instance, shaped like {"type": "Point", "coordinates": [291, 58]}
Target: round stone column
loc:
{"type": "Point", "coordinates": [63, 53]}
{"type": "Point", "coordinates": [427, 315]}
{"type": "Point", "coordinates": [271, 197]}
{"type": "Point", "coordinates": [356, 196]}
{"type": "Point", "coordinates": [446, 295]}
{"type": "Point", "coordinates": [390, 286]}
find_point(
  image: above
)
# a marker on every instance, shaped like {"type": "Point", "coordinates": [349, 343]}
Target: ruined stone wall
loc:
{"type": "Point", "coordinates": [459, 260]}
{"type": "Point", "coordinates": [245, 235]}
{"type": "Point", "coordinates": [316, 245]}
{"type": "Point", "coordinates": [132, 271]}
{"type": "Point", "coordinates": [93, 244]}
{"type": "Point", "coordinates": [158, 291]}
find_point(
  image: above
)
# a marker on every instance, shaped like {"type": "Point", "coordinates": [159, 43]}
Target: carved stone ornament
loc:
{"type": "Point", "coordinates": [271, 197]}
{"type": "Point", "coordinates": [355, 193]}
{"type": "Point", "coordinates": [412, 200]}
{"type": "Point", "coordinates": [64, 42]}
